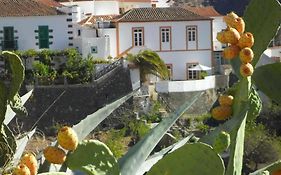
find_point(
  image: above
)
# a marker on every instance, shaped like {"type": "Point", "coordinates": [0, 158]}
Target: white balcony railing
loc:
{"type": "Point", "coordinates": [210, 82]}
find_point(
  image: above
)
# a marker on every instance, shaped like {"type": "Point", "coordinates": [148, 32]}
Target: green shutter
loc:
{"type": "Point", "coordinates": [8, 43]}
{"type": "Point", "coordinates": [43, 33]}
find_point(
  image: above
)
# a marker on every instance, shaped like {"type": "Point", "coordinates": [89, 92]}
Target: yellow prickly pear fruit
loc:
{"type": "Point", "coordinates": [54, 155]}
{"type": "Point", "coordinates": [226, 100]}
{"type": "Point", "coordinates": [67, 138]}
{"type": "Point", "coordinates": [229, 19]}
{"type": "Point", "coordinates": [246, 40]}
{"type": "Point", "coordinates": [221, 112]}
{"type": "Point", "coordinates": [221, 37]}
{"type": "Point", "coordinates": [239, 25]}
{"type": "Point", "coordinates": [246, 55]}
{"type": "Point", "coordinates": [231, 52]}
{"type": "Point", "coordinates": [246, 70]}
{"type": "Point", "coordinates": [31, 162]}
{"type": "Point", "coordinates": [21, 169]}
{"type": "Point", "coordinates": [231, 36]}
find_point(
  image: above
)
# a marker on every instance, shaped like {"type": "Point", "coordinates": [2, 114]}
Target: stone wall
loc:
{"type": "Point", "coordinates": [72, 103]}
{"type": "Point", "coordinates": [201, 106]}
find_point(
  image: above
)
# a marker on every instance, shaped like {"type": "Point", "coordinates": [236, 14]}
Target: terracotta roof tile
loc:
{"type": "Point", "coordinates": [26, 8]}
{"type": "Point", "coordinates": [203, 11]}
{"type": "Point", "coordinates": [160, 14]}
{"type": "Point", "coordinates": [94, 18]}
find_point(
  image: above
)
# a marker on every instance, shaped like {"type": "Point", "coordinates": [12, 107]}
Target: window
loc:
{"type": "Point", "coordinates": [153, 5]}
{"type": "Point", "coordinates": [79, 32]}
{"type": "Point", "coordinates": [191, 32]}
{"type": "Point", "coordinates": [43, 32]}
{"type": "Point", "coordinates": [94, 49]}
{"type": "Point", "coordinates": [9, 42]}
{"type": "Point", "coordinates": [138, 36]}
{"type": "Point", "coordinates": [192, 74]}
{"type": "Point", "coordinates": [165, 35]}
{"type": "Point", "coordinates": [219, 59]}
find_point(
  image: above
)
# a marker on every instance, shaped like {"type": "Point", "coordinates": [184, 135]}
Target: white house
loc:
{"type": "Point", "coordinates": [182, 39]}
{"type": "Point", "coordinates": [29, 24]}
{"type": "Point", "coordinates": [217, 25]}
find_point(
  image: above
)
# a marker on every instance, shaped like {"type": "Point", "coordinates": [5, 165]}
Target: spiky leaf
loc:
{"type": "Point", "coordinates": [3, 101]}
{"type": "Point", "coordinates": [131, 162]}
{"type": "Point", "coordinates": [94, 158]}
{"type": "Point", "coordinates": [271, 168]}
{"type": "Point", "coordinates": [7, 145]}
{"type": "Point", "coordinates": [10, 114]}
{"type": "Point", "coordinates": [191, 159]}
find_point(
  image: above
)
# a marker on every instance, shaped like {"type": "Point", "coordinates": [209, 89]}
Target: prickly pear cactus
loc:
{"type": "Point", "coordinates": [222, 142]}
{"type": "Point", "coordinates": [93, 157]}
{"type": "Point", "coordinates": [191, 159]}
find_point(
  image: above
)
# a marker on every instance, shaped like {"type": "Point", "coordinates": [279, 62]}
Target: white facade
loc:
{"type": "Point", "coordinates": [180, 52]}
{"type": "Point", "coordinates": [106, 8]}
{"type": "Point", "coordinates": [127, 5]}
{"type": "Point", "coordinates": [26, 30]}
{"type": "Point", "coordinates": [86, 6]}
{"type": "Point", "coordinates": [218, 25]}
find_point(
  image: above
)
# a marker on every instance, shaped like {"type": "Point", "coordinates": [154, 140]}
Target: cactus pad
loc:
{"type": "Point", "coordinates": [191, 159]}
{"type": "Point", "coordinates": [93, 157]}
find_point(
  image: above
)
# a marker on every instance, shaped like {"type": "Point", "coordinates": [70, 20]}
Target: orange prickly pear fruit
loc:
{"type": "Point", "coordinates": [226, 100]}
{"type": "Point", "coordinates": [229, 19]}
{"type": "Point", "coordinates": [246, 70]}
{"type": "Point", "coordinates": [221, 112]}
{"type": "Point", "coordinates": [231, 52]}
{"type": "Point", "coordinates": [54, 155]}
{"type": "Point", "coordinates": [246, 40]}
{"type": "Point", "coordinates": [239, 25]}
{"type": "Point", "coordinates": [221, 37]}
{"type": "Point", "coordinates": [231, 36]}
{"type": "Point", "coordinates": [21, 169]}
{"type": "Point", "coordinates": [67, 138]}
{"type": "Point", "coordinates": [246, 55]}
{"type": "Point", "coordinates": [31, 162]}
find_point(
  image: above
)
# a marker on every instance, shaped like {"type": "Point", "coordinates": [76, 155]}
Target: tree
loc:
{"type": "Point", "coordinates": [149, 62]}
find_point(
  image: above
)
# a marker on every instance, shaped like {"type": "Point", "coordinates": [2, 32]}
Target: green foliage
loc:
{"type": "Point", "coordinates": [131, 162]}
{"type": "Point", "coordinates": [149, 62]}
{"type": "Point", "coordinates": [100, 61]}
{"type": "Point", "coordinates": [17, 106]}
{"type": "Point", "coordinates": [78, 69]}
{"type": "Point", "coordinates": [154, 115]}
{"type": "Point", "coordinates": [261, 146]}
{"type": "Point", "coordinates": [191, 159]}
{"type": "Point", "coordinates": [270, 86]}
{"type": "Point", "coordinates": [138, 128]}
{"type": "Point", "coordinates": [93, 157]}
{"type": "Point", "coordinates": [222, 142]}
{"type": "Point", "coordinates": [44, 73]}
{"type": "Point", "coordinates": [115, 143]}
{"type": "Point", "coordinates": [54, 173]}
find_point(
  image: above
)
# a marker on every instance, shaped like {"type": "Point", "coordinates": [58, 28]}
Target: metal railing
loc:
{"type": "Point", "coordinates": [108, 68]}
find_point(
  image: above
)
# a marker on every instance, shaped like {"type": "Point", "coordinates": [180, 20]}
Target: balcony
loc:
{"type": "Point", "coordinates": [209, 82]}
{"type": "Point", "coordinates": [9, 44]}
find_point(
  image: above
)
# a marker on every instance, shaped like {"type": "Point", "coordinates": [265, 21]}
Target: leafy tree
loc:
{"type": "Point", "coordinates": [149, 62]}
{"type": "Point", "coordinates": [77, 69]}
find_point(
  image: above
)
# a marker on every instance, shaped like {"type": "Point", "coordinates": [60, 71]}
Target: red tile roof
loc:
{"type": "Point", "coordinates": [203, 11]}
{"type": "Point", "coordinates": [160, 14]}
{"type": "Point", "coordinates": [50, 3]}
{"type": "Point", "coordinates": [94, 18]}
{"type": "Point", "coordinates": [26, 8]}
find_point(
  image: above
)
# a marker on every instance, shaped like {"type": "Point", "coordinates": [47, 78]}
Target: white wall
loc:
{"type": "Point", "coordinates": [162, 3]}
{"type": "Point", "coordinates": [186, 86]}
{"type": "Point", "coordinates": [106, 7]}
{"type": "Point", "coordinates": [178, 34]}
{"type": "Point", "coordinates": [111, 32]}
{"type": "Point", "coordinates": [26, 27]}
{"type": "Point", "coordinates": [178, 56]}
{"type": "Point", "coordinates": [86, 6]}
{"type": "Point", "coordinates": [218, 25]}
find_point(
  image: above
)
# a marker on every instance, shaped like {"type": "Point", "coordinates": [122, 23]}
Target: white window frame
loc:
{"type": "Point", "coordinates": [138, 38]}
{"type": "Point", "coordinates": [165, 34]}
{"type": "Point", "coordinates": [192, 33]}
{"type": "Point", "coordinates": [191, 74]}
